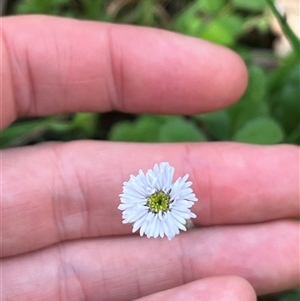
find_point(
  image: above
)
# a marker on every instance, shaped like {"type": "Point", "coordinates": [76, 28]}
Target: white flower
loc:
{"type": "Point", "coordinates": [154, 204]}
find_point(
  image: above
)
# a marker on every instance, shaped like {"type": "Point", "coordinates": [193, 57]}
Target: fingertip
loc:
{"type": "Point", "coordinates": [221, 288]}
{"type": "Point", "coordinates": [233, 79]}
{"type": "Point", "coordinates": [224, 288]}
{"type": "Point", "coordinates": [239, 289]}
{"type": "Point", "coordinates": [179, 73]}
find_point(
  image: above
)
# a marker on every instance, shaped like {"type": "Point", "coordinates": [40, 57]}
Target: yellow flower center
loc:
{"type": "Point", "coordinates": [158, 201]}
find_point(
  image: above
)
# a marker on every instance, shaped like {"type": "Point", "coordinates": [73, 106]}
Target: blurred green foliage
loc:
{"type": "Point", "coordinates": [155, 128]}
{"type": "Point", "coordinates": [268, 113]}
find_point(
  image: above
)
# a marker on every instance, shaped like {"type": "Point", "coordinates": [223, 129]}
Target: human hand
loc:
{"type": "Point", "coordinates": [62, 234]}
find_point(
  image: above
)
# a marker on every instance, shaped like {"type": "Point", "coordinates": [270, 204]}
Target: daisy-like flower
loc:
{"type": "Point", "coordinates": [154, 204]}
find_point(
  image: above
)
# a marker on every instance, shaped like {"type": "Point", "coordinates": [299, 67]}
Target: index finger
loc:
{"type": "Point", "coordinates": [53, 65]}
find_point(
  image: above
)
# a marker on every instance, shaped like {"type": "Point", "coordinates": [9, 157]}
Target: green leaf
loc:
{"type": "Point", "coordinates": [122, 131]}
{"type": "Point", "coordinates": [147, 129]}
{"type": "Point", "coordinates": [261, 131]}
{"type": "Point", "coordinates": [294, 136]}
{"type": "Point", "coordinates": [179, 129]}
{"type": "Point", "coordinates": [92, 8]}
{"type": "Point", "coordinates": [255, 5]}
{"type": "Point", "coordinates": [279, 76]}
{"type": "Point", "coordinates": [286, 107]}
{"type": "Point", "coordinates": [290, 295]}
{"type": "Point", "coordinates": [86, 122]}
{"type": "Point", "coordinates": [15, 131]}
{"type": "Point", "coordinates": [223, 30]}
{"type": "Point", "coordinates": [144, 129]}
{"type": "Point", "coordinates": [256, 89]}
{"type": "Point", "coordinates": [253, 103]}
{"type": "Point", "coordinates": [22, 130]}
{"type": "Point", "coordinates": [160, 119]}
{"type": "Point", "coordinates": [211, 6]}
{"type": "Point", "coordinates": [216, 123]}
{"type": "Point", "coordinates": [188, 22]}
{"type": "Point", "coordinates": [53, 7]}
{"type": "Point", "coordinates": [285, 104]}
{"type": "Point", "coordinates": [156, 128]}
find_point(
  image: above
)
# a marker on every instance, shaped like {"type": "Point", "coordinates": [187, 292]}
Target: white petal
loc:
{"type": "Point", "coordinates": [169, 223]}
{"type": "Point", "coordinates": [182, 203]}
{"type": "Point", "coordinates": [165, 228]}
{"type": "Point", "coordinates": [154, 227]}
{"type": "Point", "coordinates": [178, 217]}
{"type": "Point", "coordinates": [193, 215]}
{"type": "Point", "coordinates": [139, 222]}
{"type": "Point", "coordinates": [161, 229]}
{"type": "Point", "coordinates": [157, 227]}
{"type": "Point", "coordinates": [183, 214]}
{"type": "Point", "coordinates": [178, 224]}
{"type": "Point", "coordinates": [137, 216]}
{"type": "Point", "coordinates": [143, 227]}
{"type": "Point", "coordinates": [138, 188]}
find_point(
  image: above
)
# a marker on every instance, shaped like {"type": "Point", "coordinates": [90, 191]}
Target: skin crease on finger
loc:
{"type": "Point", "coordinates": [127, 68]}
{"type": "Point", "coordinates": [226, 288]}
{"type": "Point", "coordinates": [125, 268]}
{"type": "Point", "coordinates": [6, 91]}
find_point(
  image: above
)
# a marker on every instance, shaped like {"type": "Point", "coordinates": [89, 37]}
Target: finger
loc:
{"type": "Point", "coordinates": [64, 65]}
{"type": "Point", "coordinates": [226, 288]}
{"type": "Point", "coordinates": [126, 268]}
{"type": "Point", "coordinates": [66, 191]}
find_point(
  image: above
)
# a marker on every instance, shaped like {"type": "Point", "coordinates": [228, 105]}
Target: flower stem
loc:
{"type": "Point", "coordinates": [294, 40]}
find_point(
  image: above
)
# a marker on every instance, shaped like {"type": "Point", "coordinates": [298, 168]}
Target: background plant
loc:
{"type": "Point", "coordinates": [268, 113]}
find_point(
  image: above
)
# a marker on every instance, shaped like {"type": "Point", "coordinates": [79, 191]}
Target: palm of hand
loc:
{"type": "Point", "coordinates": [62, 235]}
